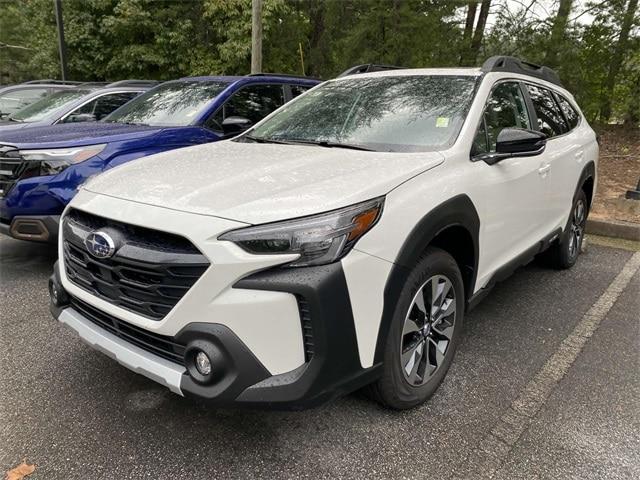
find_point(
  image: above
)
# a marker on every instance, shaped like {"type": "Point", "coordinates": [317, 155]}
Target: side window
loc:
{"type": "Point", "coordinates": [550, 120]}
{"type": "Point", "coordinates": [505, 108]}
{"type": "Point", "coordinates": [297, 90]}
{"type": "Point", "coordinates": [570, 113]}
{"type": "Point", "coordinates": [103, 106]}
{"type": "Point", "coordinates": [253, 103]}
{"type": "Point", "coordinates": [108, 103]}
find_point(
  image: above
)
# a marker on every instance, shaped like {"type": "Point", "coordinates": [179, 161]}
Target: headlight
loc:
{"type": "Point", "coordinates": [318, 239]}
{"type": "Point", "coordinates": [55, 160]}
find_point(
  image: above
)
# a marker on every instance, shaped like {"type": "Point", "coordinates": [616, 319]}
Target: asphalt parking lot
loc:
{"type": "Point", "coordinates": [544, 385]}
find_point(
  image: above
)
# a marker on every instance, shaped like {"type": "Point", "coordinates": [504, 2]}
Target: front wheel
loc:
{"type": "Point", "coordinates": [424, 333]}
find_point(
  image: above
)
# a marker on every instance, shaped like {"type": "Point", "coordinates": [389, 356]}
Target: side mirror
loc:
{"type": "Point", "coordinates": [516, 142]}
{"type": "Point", "coordinates": [80, 117]}
{"type": "Point", "coordinates": [235, 125]}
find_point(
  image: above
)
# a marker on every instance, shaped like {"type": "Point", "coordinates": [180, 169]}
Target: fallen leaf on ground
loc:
{"type": "Point", "coordinates": [20, 471]}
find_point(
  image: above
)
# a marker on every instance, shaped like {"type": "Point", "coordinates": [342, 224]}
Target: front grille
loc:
{"type": "Point", "coordinates": [14, 168]}
{"type": "Point", "coordinates": [307, 331]}
{"type": "Point", "coordinates": [159, 345]}
{"type": "Point", "coordinates": [148, 274]}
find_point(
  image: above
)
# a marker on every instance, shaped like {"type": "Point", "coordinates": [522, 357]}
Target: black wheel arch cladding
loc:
{"type": "Point", "coordinates": [458, 212]}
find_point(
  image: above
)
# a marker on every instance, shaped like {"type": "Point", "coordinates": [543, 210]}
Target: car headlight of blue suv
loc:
{"type": "Point", "coordinates": [54, 161]}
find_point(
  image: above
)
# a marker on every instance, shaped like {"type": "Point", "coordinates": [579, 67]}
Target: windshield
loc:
{"type": "Point", "coordinates": [395, 114]}
{"type": "Point", "coordinates": [171, 104]}
{"type": "Point", "coordinates": [40, 109]}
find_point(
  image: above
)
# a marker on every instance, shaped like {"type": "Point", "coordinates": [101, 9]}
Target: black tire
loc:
{"type": "Point", "coordinates": [564, 253]}
{"type": "Point", "coordinates": [397, 389]}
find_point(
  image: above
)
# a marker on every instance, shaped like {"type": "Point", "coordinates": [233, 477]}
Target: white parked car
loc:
{"type": "Point", "coordinates": [337, 244]}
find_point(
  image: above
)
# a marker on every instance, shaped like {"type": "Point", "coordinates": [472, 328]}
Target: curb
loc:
{"type": "Point", "coordinates": [611, 228]}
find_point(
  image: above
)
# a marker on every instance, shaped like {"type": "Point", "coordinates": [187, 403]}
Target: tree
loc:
{"type": "Point", "coordinates": [470, 55]}
{"type": "Point", "coordinates": [616, 59]}
{"type": "Point", "coordinates": [556, 39]}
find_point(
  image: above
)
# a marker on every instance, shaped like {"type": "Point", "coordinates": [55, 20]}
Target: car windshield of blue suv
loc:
{"type": "Point", "coordinates": [40, 109]}
{"type": "Point", "coordinates": [388, 113]}
{"type": "Point", "coordinates": [172, 104]}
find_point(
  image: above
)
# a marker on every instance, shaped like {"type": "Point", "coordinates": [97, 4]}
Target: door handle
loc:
{"type": "Point", "coordinates": [544, 169]}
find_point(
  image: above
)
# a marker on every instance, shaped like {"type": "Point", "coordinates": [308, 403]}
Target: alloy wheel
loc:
{"type": "Point", "coordinates": [427, 330]}
{"type": "Point", "coordinates": [577, 228]}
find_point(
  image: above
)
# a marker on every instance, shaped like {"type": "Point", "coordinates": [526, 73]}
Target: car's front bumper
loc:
{"type": "Point", "coordinates": [332, 367]}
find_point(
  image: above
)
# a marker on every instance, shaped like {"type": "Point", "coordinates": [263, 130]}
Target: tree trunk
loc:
{"type": "Point", "coordinates": [557, 32]}
{"type": "Point", "coordinates": [476, 41]}
{"type": "Point", "coordinates": [616, 60]}
{"type": "Point", "coordinates": [472, 7]}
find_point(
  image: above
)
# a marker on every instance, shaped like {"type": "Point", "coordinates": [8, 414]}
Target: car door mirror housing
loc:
{"type": "Point", "coordinates": [234, 125]}
{"type": "Point", "coordinates": [515, 142]}
{"type": "Point", "coordinates": [80, 117]}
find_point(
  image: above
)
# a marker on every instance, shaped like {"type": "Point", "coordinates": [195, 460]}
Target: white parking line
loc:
{"type": "Point", "coordinates": [489, 456]}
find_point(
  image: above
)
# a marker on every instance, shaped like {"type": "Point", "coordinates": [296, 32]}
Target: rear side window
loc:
{"type": "Point", "coordinates": [505, 108]}
{"type": "Point", "coordinates": [570, 113]}
{"type": "Point", "coordinates": [297, 90]}
{"type": "Point", "coordinates": [550, 120]}
{"type": "Point", "coordinates": [253, 103]}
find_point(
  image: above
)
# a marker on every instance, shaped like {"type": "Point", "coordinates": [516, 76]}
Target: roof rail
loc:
{"type": "Point", "coordinates": [133, 83]}
{"type": "Point", "coordinates": [286, 75]}
{"type": "Point", "coordinates": [369, 67]}
{"type": "Point", "coordinates": [51, 81]}
{"type": "Point", "coordinates": [515, 65]}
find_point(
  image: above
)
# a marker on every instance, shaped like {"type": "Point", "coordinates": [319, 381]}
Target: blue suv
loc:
{"type": "Point", "coordinates": [41, 168]}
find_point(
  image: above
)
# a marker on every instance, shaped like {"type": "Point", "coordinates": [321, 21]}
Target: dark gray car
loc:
{"type": "Point", "coordinates": [87, 102]}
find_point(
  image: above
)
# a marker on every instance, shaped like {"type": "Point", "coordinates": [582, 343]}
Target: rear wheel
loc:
{"type": "Point", "coordinates": [564, 253]}
{"type": "Point", "coordinates": [424, 333]}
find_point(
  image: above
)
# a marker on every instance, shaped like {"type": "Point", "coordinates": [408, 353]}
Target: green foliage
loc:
{"type": "Point", "coordinates": [163, 39]}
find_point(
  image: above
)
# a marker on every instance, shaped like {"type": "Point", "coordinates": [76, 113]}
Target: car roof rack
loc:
{"type": "Point", "coordinates": [133, 83]}
{"type": "Point", "coordinates": [51, 81]}
{"type": "Point", "coordinates": [515, 65]}
{"type": "Point", "coordinates": [285, 75]}
{"type": "Point", "coordinates": [369, 67]}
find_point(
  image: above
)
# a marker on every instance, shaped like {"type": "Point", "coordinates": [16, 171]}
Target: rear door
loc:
{"type": "Point", "coordinates": [559, 158]}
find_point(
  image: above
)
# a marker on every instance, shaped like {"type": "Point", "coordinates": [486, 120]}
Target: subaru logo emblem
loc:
{"type": "Point", "coordinates": [100, 245]}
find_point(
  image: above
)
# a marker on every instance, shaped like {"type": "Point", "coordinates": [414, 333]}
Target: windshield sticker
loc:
{"type": "Point", "coordinates": [442, 122]}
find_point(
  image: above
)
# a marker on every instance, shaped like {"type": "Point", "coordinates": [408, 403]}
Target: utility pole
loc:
{"type": "Point", "coordinates": [256, 36]}
{"type": "Point", "coordinates": [62, 47]}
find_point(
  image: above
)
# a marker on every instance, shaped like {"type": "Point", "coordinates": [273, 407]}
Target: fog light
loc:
{"type": "Point", "coordinates": [203, 364]}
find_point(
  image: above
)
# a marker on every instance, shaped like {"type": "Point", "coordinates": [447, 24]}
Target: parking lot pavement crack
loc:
{"type": "Point", "coordinates": [488, 457]}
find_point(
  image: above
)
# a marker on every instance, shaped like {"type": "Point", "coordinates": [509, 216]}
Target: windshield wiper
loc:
{"type": "Point", "coordinates": [329, 144]}
{"type": "Point", "coordinates": [268, 140]}
{"type": "Point", "coordinates": [15, 120]}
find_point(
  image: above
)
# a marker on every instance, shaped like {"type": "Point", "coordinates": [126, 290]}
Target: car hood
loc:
{"type": "Point", "coordinates": [258, 183]}
{"type": "Point", "coordinates": [72, 135]}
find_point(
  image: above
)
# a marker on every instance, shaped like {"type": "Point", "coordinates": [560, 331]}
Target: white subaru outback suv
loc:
{"type": "Point", "coordinates": [335, 245]}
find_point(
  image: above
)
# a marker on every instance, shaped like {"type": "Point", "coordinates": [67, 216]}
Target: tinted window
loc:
{"type": "Point", "coordinates": [103, 106]}
{"type": "Point", "coordinates": [505, 108]}
{"type": "Point", "coordinates": [170, 104]}
{"type": "Point", "coordinates": [254, 103]}
{"type": "Point", "coordinates": [550, 120]}
{"type": "Point", "coordinates": [16, 99]}
{"type": "Point", "coordinates": [569, 112]}
{"type": "Point", "coordinates": [298, 90]}
{"type": "Point", "coordinates": [40, 109]}
{"type": "Point", "coordinates": [404, 113]}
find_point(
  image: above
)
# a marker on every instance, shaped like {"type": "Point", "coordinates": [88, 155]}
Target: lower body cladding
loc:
{"type": "Point", "coordinates": [229, 373]}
